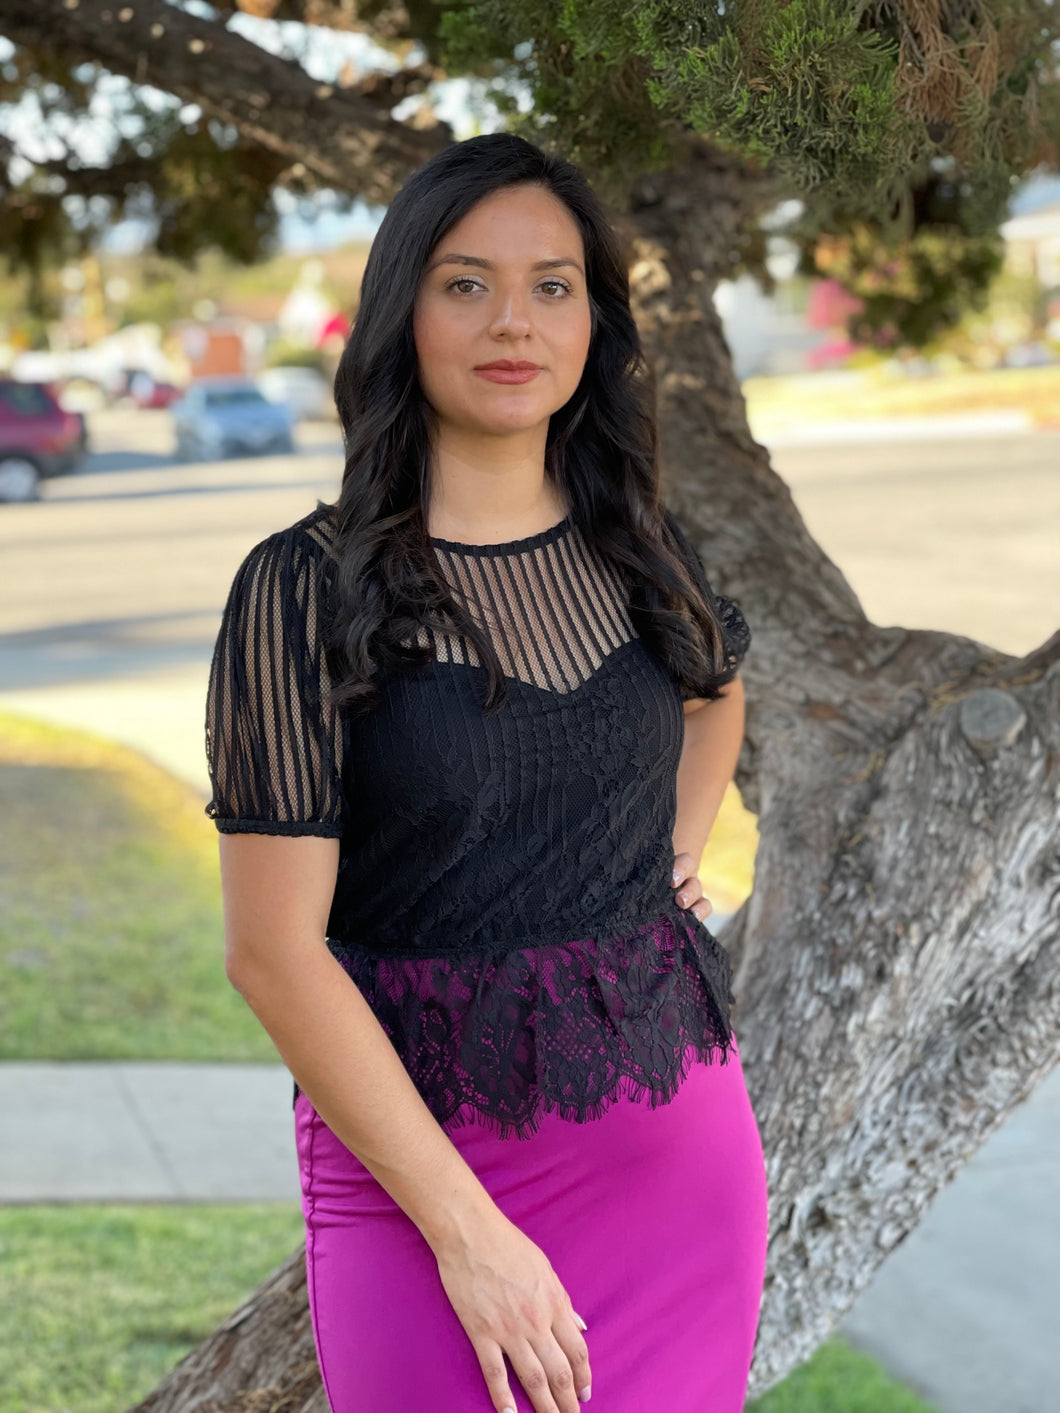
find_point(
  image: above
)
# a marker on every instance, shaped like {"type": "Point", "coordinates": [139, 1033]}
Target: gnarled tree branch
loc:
{"type": "Point", "coordinates": [340, 135]}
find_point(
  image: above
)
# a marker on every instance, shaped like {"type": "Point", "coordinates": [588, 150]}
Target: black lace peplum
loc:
{"type": "Point", "coordinates": [503, 897]}
{"type": "Point", "coordinates": [565, 1026]}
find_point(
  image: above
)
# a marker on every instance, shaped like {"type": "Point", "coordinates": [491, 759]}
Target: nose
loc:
{"type": "Point", "coordinates": [511, 314]}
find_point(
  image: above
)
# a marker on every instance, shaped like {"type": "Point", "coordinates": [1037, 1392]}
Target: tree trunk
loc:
{"type": "Point", "coordinates": [895, 966]}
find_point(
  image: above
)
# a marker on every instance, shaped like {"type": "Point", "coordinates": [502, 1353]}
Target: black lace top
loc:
{"type": "Point", "coordinates": [503, 898]}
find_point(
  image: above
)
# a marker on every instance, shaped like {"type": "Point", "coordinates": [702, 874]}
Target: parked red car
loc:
{"type": "Point", "coordinates": [37, 438]}
{"type": "Point", "coordinates": [146, 391]}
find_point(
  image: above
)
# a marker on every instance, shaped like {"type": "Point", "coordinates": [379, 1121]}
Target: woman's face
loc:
{"type": "Point", "coordinates": [506, 282]}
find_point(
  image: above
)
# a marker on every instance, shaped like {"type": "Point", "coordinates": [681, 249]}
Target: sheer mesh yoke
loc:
{"type": "Point", "coordinates": [553, 613]}
{"type": "Point", "coordinates": [503, 898]}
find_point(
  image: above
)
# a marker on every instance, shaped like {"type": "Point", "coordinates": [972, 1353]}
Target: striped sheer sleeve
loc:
{"type": "Point", "coordinates": [735, 631]}
{"type": "Point", "coordinates": [273, 742]}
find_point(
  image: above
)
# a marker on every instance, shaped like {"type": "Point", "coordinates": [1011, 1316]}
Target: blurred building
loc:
{"type": "Point", "coordinates": [1032, 242]}
{"type": "Point", "coordinates": [228, 344]}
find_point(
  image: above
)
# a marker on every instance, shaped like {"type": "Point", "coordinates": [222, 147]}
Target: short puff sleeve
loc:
{"type": "Point", "coordinates": [273, 742]}
{"type": "Point", "coordinates": [736, 635]}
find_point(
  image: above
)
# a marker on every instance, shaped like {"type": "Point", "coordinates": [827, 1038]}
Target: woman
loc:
{"type": "Point", "coordinates": [468, 729]}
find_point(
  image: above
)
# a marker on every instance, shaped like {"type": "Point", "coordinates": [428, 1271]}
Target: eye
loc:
{"type": "Point", "coordinates": [467, 280]}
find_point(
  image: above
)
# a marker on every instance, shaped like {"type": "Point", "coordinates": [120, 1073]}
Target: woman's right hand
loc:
{"type": "Point", "coordinates": [510, 1301]}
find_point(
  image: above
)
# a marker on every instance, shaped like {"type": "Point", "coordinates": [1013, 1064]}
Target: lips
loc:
{"type": "Point", "coordinates": [507, 370]}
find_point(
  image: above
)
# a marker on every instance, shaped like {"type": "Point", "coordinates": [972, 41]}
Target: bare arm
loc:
{"type": "Point", "coordinates": [277, 892]}
{"type": "Point", "coordinates": [713, 735]}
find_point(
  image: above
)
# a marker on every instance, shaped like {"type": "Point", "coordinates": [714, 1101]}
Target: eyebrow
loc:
{"type": "Point", "coordinates": [454, 259]}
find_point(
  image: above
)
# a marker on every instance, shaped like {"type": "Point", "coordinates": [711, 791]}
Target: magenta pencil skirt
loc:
{"type": "Point", "coordinates": [654, 1219]}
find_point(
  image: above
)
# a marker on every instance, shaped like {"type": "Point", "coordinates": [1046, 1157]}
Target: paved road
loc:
{"type": "Point", "coordinates": [114, 586]}
{"type": "Point", "coordinates": [115, 581]}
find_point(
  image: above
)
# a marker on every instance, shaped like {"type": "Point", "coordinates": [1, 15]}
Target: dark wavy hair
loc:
{"type": "Point", "coordinates": [383, 581]}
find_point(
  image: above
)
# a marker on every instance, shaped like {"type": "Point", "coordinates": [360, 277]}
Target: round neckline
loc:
{"type": "Point", "coordinates": [540, 537]}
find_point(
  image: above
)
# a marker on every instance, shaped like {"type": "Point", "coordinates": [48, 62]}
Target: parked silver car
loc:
{"type": "Point", "coordinates": [219, 417]}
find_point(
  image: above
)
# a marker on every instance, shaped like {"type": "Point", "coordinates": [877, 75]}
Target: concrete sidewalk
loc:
{"type": "Point", "coordinates": [966, 1311]}
{"type": "Point", "coordinates": [146, 1131]}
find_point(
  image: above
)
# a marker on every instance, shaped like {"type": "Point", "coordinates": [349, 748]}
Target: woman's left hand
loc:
{"type": "Point", "coordinates": [689, 889]}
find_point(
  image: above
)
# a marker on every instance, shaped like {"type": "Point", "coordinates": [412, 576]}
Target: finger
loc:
{"type": "Point", "coordinates": [495, 1372]}
{"type": "Point", "coordinates": [577, 1354]}
{"type": "Point", "coordinates": [534, 1377]}
{"type": "Point", "coordinates": [557, 1365]}
{"type": "Point", "coordinates": [689, 891]}
{"type": "Point", "coordinates": [684, 864]}
{"type": "Point", "coordinates": [702, 908]}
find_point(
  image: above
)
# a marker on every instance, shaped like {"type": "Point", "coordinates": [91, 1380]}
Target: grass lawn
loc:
{"type": "Point", "coordinates": [98, 1303]}
{"type": "Point", "coordinates": [111, 937]}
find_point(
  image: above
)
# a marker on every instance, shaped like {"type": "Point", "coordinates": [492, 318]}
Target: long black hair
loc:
{"type": "Point", "coordinates": [601, 446]}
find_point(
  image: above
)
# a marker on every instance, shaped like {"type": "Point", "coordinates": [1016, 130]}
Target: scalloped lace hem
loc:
{"type": "Point", "coordinates": [568, 1028]}
{"type": "Point", "coordinates": [655, 1090]}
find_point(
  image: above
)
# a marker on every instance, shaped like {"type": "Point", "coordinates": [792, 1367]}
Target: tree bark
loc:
{"type": "Point", "coordinates": [895, 965]}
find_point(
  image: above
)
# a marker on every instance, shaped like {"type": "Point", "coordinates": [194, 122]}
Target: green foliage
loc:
{"type": "Point", "coordinates": [917, 270]}
{"type": "Point", "coordinates": [806, 92]}
{"type": "Point", "coordinates": [811, 89]}
{"type": "Point", "coordinates": [587, 82]}
{"type": "Point", "coordinates": [819, 93]}
{"type": "Point", "coordinates": [210, 187]}
{"type": "Point", "coordinates": [914, 291]}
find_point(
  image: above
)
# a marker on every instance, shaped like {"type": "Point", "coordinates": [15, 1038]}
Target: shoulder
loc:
{"type": "Point", "coordinates": [280, 578]}
{"type": "Point", "coordinates": [289, 548]}
{"type": "Point", "coordinates": [312, 535]}
{"type": "Point", "coordinates": [318, 528]}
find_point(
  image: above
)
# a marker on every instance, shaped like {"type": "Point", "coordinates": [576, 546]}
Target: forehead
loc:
{"type": "Point", "coordinates": [514, 226]}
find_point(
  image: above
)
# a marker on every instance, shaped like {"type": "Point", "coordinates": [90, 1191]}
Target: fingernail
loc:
{"type": "Point", "coordinates": [586, 1394]}
{"type": "Point", "coordinates": [676, 877]}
